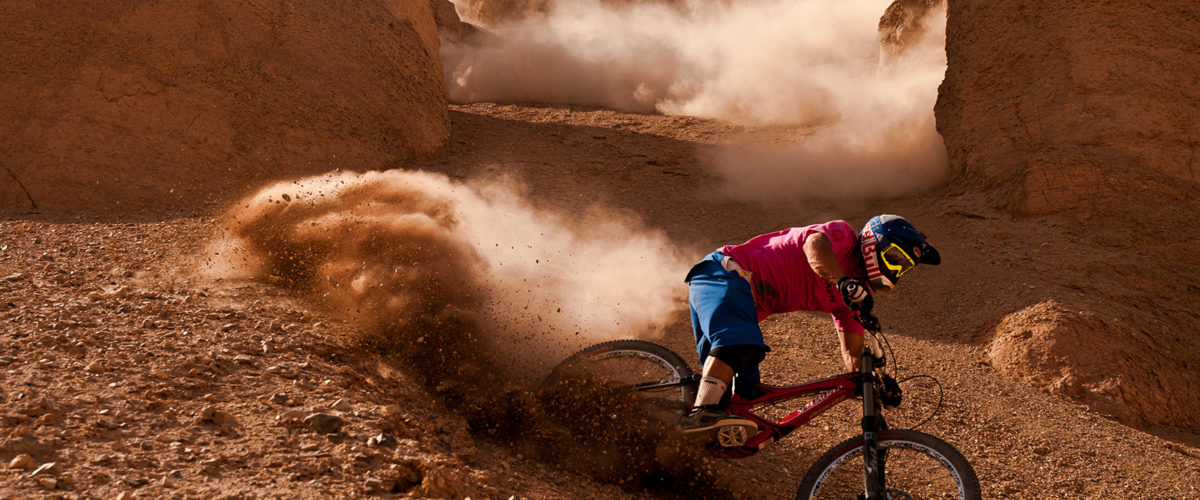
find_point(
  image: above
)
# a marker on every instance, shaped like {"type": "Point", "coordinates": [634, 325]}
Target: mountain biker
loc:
{"type": "Point", "coordinates": [824, 267]}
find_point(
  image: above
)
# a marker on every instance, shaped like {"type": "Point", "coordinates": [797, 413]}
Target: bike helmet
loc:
{"type": "Point", "coordinates": [891, 246]}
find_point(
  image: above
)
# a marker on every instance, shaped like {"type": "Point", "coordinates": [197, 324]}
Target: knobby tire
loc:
{"type": "Point", "coordinates": [659, 363]}
{"type": "Point", "coordinates": [839, 472]}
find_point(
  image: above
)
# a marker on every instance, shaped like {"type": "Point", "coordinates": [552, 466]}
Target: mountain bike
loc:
{"type": "Point", "coordinates": [879, 463]}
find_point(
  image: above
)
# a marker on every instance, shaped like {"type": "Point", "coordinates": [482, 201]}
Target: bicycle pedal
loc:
{"type": "Point", "coordinates": [732, 436]}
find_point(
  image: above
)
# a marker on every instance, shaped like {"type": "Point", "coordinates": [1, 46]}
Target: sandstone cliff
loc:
{"type": "Point", "coordinates": [490, 13]}
{"type": "Point", "coordinates": [1083, 116]}
{"type": "Point", "coordinates": [1064, 104]}
{"type": "Point", "coordinates": [129, 105]}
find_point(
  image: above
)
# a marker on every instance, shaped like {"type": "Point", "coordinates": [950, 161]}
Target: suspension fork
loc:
{"type": "Point", "coordinates": [873, 475]}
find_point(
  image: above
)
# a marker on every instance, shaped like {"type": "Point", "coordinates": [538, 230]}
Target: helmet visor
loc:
{"type": "Point", "coordinates": [896, 260]}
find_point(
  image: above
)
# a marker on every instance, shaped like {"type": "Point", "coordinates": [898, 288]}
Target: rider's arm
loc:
{"type": "Point", "coordinates": [852, 346]}
{"type": "Point", "coordinates": [819, 252]}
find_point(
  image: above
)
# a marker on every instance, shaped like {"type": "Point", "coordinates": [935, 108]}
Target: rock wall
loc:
{"type": "Point", "coordinates": [1061, 104]}
{"type": "Point", "coordinates": [491, 13]}
{"type": "Point", "coordinates": [450, 26]}
{"type": "Point", "coordinates": [126, 105]}
{"type": "Point", "coordinates": [1084, 114]}
{"type": "Point", "coordinates": [494, 12]}
{"type": "Point", "coordinates": [903, 24]}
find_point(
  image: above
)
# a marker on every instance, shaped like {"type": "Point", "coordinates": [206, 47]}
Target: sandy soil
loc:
{"type": "Point", "coordinates": [136, 377]}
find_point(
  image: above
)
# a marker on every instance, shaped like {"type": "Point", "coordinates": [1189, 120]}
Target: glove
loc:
{"type": "Point", "coordinates": [854, 294]}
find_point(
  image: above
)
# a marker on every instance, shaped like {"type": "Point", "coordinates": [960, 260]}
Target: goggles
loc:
{"type": "Point", "coordinates": [897, 260]}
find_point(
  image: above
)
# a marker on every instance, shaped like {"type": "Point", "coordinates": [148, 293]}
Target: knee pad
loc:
{"type": "Point", "coordinates": [740, 357]}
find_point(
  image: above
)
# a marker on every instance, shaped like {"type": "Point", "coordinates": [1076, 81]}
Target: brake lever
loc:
{"type": "Point", "coordinates": [891, 394]}
{"type": "Point", "coordinates": [868, 321]}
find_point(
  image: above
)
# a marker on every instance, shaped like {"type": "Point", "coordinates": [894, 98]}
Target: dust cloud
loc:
{"type": "Point", "coordinates": [456, 277]}
{"type": "Point", "coordinates": [866, 113]}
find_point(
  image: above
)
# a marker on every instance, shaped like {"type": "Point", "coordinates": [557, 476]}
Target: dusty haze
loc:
{"type": "Point", "coordinates": [867, 121]}
{"type": "Point", "coordinates": [1060, 322]}
{"type": "Point", "coordinates": [425, 263]}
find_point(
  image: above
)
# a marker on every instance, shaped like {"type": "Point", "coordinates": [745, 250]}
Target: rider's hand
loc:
{"type": "Point", "coordinates": [855, 294]}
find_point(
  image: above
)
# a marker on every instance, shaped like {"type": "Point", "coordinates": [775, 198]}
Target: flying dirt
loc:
{"type": "Point", "coordinates": [477, 293]}
{"type": "Point", "coordinates": [426, 264]}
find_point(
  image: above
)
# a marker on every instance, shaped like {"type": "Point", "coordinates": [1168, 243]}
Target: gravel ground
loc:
{"type": "Point", "coordinates": [126, 373]}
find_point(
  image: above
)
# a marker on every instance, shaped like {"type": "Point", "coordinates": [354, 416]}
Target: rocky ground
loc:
{"type": "Point", "coordinates": [126, 373]}
{"type": "Point", "coordinates": [125, 378]}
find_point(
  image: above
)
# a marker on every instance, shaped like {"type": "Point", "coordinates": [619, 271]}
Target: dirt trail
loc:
{"type": "Point", "coordinates": [137, 378]}
{"type": "Point", "coordinates": [1025, 444]}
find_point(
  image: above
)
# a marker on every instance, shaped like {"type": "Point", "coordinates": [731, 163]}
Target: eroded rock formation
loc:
{"type": "Point", "coordinates": [450, 25]}
{"type": "Point", "coordinates": [1064, 104]}
{"type": "Point", "coordinates": [903, 23]}
{"type": "Point", "coordinates": [490, 13]}
{"type": "Point", "coordinates": [1084, 115]}
{"type": "Point", "coordinates": [128, 105]}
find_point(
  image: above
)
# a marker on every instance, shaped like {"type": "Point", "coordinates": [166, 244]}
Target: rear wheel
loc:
{"type": "Point", "coordinates": [916, 465]}
{"type": "Point", "coordinates": [628, 374]}
{"type": "Point", "coordinates": [612, 411]}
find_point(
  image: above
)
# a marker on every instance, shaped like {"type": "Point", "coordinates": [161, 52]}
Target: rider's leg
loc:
{"type": "Point", "coordinates": [719, 367]}
{"type": "Point", "coordinates": [743, 359]}
{"type": "Point", "coordinates": [723, 316]}
{"type": "Point", "coordinates": [708, 414]}
{"type": "Point", "coordinates": [714, 381]}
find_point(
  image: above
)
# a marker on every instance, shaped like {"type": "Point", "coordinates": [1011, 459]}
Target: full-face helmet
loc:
{"type": "Point", "coordinates": [891, 247]}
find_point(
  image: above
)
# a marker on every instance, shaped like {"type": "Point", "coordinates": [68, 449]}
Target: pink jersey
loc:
{"type": "Point", "coordinates": [783, 281]}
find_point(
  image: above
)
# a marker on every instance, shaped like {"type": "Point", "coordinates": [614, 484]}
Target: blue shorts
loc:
{"type": "Point", "coordinates": [723, 311]}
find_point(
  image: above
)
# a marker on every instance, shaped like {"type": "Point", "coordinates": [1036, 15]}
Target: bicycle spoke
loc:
{"type": "Point", "coordinates": [909, 474]}
{"type": "Point", "coordinates": [631, 378]}
{"type": "Point", "coordinates": [661, 384]}
{"type": "Point", "coordinates": [912, 468]}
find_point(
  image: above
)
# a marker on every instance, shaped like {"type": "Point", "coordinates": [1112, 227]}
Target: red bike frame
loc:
{"type": "Point", "coordinates": [830, 391]}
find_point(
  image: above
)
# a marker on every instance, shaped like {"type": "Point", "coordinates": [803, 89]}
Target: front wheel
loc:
{"type": "Point", "coordinates": [914, 465]}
